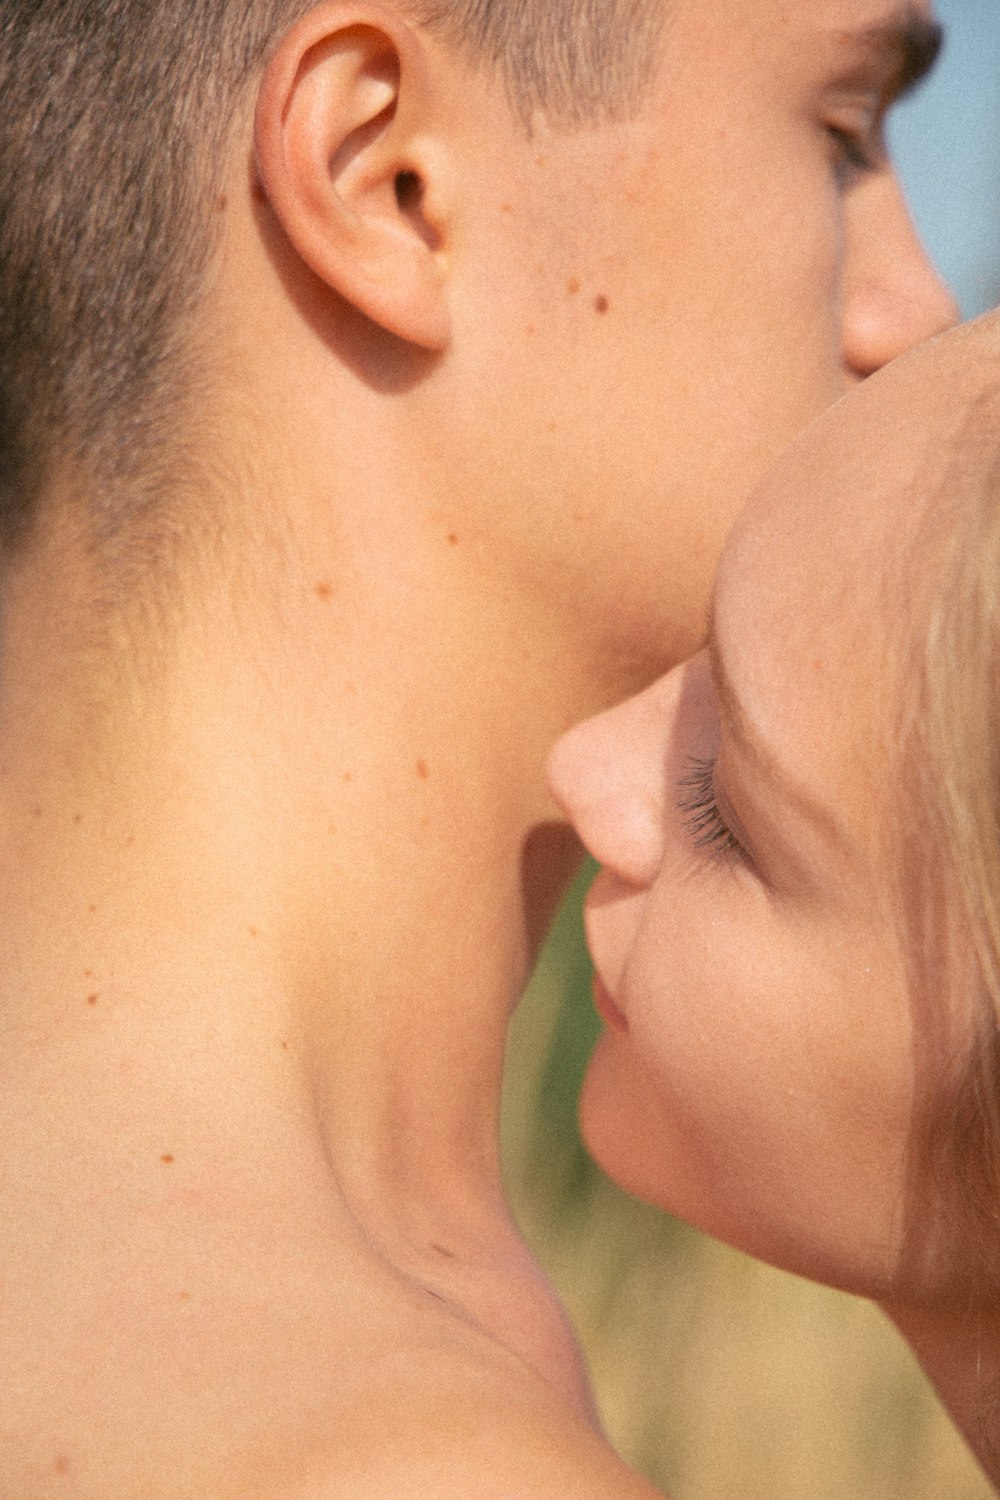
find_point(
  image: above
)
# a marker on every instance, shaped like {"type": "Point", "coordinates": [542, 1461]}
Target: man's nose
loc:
{"type": "Point", "coordinates": [894, 297]}
{"type": "Point", "coordinates": [608, 775]}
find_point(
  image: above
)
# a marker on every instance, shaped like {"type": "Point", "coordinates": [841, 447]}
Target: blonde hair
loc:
{"type": "Point", "coordinates": [949, 678]}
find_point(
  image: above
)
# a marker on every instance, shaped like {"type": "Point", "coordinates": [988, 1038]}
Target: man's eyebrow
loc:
{"type": "Point", "coordinates": [903, 49]}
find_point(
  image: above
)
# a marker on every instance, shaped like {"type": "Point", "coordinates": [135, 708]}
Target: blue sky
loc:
{"type": "Point", "coordinates": [947, 145]}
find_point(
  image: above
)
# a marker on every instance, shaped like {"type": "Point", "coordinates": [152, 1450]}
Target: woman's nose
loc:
{"type": "Point", "coordinates": [608, 776]}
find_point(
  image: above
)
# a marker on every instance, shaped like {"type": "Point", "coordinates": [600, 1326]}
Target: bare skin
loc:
{"type": "Point", "coordinates": [769, 1053]}
{"type": "Point", "coordinates": [283, 849]}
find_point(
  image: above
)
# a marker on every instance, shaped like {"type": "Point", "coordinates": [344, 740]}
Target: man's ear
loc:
{"type": "Point", "coordinates": [348, 159]}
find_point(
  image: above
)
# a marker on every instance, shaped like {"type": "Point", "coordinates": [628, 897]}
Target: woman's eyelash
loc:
{"type": "Point", "coordinates": [696, 802]}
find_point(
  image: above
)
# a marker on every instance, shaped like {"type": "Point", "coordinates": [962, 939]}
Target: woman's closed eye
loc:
{"type": "Point", "coordinates": [696, 802]}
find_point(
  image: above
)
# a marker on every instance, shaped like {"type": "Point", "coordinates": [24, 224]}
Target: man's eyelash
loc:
{"type": "Point", "coordinates": [856, 154]}
{"type": "Point", "coordinates": [696, 802]}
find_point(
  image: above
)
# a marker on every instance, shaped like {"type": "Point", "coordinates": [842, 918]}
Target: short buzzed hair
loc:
{"type": "Point", "coordinates": [117, 118]}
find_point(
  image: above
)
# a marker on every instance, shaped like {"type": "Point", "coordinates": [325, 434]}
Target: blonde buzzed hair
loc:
{"type": "Point", "coordinates": [578, 64]}
{"type": "Point", "coordinates": [116, 118]}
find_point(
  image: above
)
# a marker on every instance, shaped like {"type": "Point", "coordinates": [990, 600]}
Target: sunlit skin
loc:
{"type": "Point", "coordinates": [766, 1057]}
{"type": "Point", "coordinates": [478, 410]}
{"type": "Point", "coordinates": [754, 253]}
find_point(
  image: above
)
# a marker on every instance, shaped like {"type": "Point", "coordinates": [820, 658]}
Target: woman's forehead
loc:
{"type": "Point", "coordinates": [826, 525]}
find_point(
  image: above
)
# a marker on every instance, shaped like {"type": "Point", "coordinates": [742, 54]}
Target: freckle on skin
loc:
{"type": "Point", "coordinates": [221, 203]}
{"type": "Point", "coordinates": [572, 286]}
{"type": "Point", "coordinates": [324, 590]}
{"type": "Point", "coordinates": [348, 776]}
{"type": "Point", "coordinates": [422, 770]}
{"type": "Point", "coordinates": [253, 932]}
{"type": "Point", "coordinates": [332, 830]}
{"type": "Point", "coordinates": [184, 1297]}
{"type": "Point", "coordinates": [167, 1159]}
{"type": "Point", "coordinates": [506, 208]}
{"type": "Point", "coordinates": [92, 910]}
{"type": "Point", "coordinates": [93, 999]}
{"type": "Point", "coordinates": [36, 811]}
{"type": "Point", "coordinates": [601, 304]}
{"type": "Point", "coordinates": [78, 819]}
{"type": "Point", "coordinates": [285, 1045]}
{"type": "Point", "coordinates": [453, 539]}
{"type": "Point", "coordinates": [61, 1464]}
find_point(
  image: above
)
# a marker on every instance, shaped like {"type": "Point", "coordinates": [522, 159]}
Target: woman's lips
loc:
{"type": "Point", "coordinates": [606, 1007]}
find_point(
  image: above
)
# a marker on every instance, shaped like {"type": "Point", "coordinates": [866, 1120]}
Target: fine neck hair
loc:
{"type": "Point", "coordinates": [272, 775]}
{"type": "Point", "coordinates": [119, 122]}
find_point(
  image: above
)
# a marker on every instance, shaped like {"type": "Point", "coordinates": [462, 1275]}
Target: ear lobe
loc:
{"type": "Point", "coordinates": [350, 167]}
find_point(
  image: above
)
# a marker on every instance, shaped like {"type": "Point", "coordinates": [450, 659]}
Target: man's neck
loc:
{"type": "Point", "coordinates": [308, 870]}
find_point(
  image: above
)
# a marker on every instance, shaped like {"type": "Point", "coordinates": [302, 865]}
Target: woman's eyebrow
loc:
{"type": "Point", "coordinates": [730, 707]}
{"type": "Point", "coordinates": [770, 765]}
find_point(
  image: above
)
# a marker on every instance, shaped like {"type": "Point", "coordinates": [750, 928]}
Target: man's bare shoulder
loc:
{"type": "Point", "coordinates": [471, 1433]}
{"type": "Point", "coordinates": [426, 1421]}
{"type": "Point", "coordinates": [173, 1326]}
{"type": "Point", "coordinates": [140, 1368]}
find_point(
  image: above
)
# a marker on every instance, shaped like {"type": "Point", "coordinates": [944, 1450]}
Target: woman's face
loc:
{"type": "Point", "coordinates": [764, 1057]}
